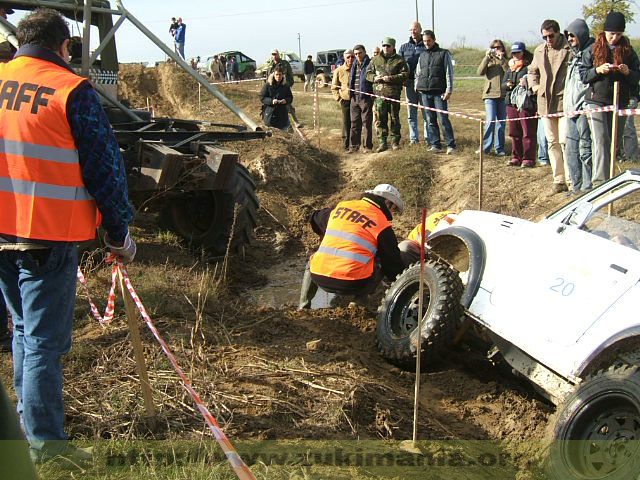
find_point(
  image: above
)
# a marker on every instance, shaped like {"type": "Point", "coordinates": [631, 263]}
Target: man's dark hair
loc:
{"type": "Point", "coordinates": [277, 69]}
{"type": "Point", "coordinates": [44, 27]}
{"type": "Point", "coordinates": [429, 33]}
{"type": "Point", "coordinates": [360, 47]}
{"type": "Point", "coordinates": [550, 25]}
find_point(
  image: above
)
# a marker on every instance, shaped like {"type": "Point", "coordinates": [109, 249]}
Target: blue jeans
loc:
{"type": "Point", "coordinates": [433, 131]}
{"type": "Point", "coordinates": [40, 288]}
{"type": "Point", "coordinates": [414, 97]}
{"type": "Point", "coordinates": [543, 146]}
{"type": "Point", "coordinates": [495, 109]}
{"type": "Point", "coordinates": [4, 319]}
{"type": "Point", "coordinates": [577, 152]}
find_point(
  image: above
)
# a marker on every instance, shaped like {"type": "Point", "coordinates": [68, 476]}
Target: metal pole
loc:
{"type": "Point", "coordinates": [417, 20]}
{"type": "Point", "coordinates": [433, 15]}
{"type": "Point", "coordinates": [480, 176]}
{"type": "Point", "coordinates": [86, 38]}
{"type": "Point", "coordinates": [416, 399]}
{"type": "Point", "coordinates": [187, 68]}
{"type": "Point", "coordinates": [138, 351]}
{"type": "Point", "coordinates": [8, 30]}
{"type": "Point", "coordinates": [299, 48]}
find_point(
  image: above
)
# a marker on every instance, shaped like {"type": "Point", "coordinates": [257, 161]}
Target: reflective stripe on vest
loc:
{"type": "Point", "coordinates": [42, 192]}
{"type": "Point", "coordinates": [350, 243]}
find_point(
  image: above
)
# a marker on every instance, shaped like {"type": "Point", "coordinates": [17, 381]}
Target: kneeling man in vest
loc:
{"type": "Point", "coordinates": [358, 246]}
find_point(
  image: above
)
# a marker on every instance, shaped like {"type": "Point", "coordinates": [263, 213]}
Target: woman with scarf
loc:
{"type": "Point", "coordinates": [493, 67]}
{"type": "Point", "coordinates": [610, 59]}
{"type": "Point", "coordinates": [275, 96]}
{"type": "Point", "coordinates": [520, 105]}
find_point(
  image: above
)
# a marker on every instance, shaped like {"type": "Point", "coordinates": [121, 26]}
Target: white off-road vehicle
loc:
{"type": "Point", "coordinates": [559, 299]}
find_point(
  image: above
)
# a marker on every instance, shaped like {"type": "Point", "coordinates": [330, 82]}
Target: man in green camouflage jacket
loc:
{"type": "Point", "coordinates": [388, 72]}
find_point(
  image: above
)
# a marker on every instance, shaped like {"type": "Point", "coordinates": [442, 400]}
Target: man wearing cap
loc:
{"type": "Point", "coordinates": [411, 51]}
{"type": "Point", "coordinates": [342, 95]}
{"type": "Point", "coordinates": [388, 72]}
{"type": "Point", "coordinates": [434, 81]}
{"type": "Point", "coordinates": [358, 246]}
{"type": "Point", "coordinates": [7, 50]}
{"type": "Point", "coordinates": [547, 76]}
{"type": "Point", "coordinates": [577, 147]}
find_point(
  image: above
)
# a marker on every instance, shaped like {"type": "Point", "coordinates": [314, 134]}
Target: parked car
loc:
{"type": "Point", "coordinates": [246, 65]}
{"type": "Point", "coordinates": [558, 299]}
{"type": "Point", "coordinates": [294, 60]}
{"type": "Point", "coordinates": [325, 64]}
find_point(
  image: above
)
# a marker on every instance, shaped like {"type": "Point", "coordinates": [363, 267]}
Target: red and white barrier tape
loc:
{"type": "Point", "coordinates": [231, 82]}
{"type": "Point", "coordinates": [239, 467]}
{"type": "Point", "coordinates": [111, 300]}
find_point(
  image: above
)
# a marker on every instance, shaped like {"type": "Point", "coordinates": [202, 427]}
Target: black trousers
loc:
{"type": "Point", "coordinates": [346, 123]}
{"type": "Point", "coordinates": [362, 121]}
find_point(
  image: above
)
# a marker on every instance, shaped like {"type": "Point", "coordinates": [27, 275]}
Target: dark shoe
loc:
{"type": "Point", "coordinates": [559, 188]}
{"type": "Point", "coordinates": [382, 148]}
{"type": "Point", "coordinates": [514, 162]}
{"type": "Point", "coordinates": [528, 163]}
{"type": "Point", "coordinates": [5, 342]}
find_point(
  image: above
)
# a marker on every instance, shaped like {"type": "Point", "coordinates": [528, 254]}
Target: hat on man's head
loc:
{"type": "Point", "coordinates": [614, 22]}
{"type": "Point", "coordinates": [389, 41]}
{"type": "Point", "coordinates": [517, 47]}
{"type": "Point", "coordinates": [275, 50]}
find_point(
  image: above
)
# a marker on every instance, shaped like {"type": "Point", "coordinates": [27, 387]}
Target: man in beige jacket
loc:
{"type": "Point", "coordinates": [547, 74]}
{"type": "Point", "coordinates": [342, 95]}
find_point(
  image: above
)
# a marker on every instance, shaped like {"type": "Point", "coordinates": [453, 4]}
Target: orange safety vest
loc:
{"type": "Point", "coordinates": [350, 243]}
{"type": "Point", "coordinates": [42, 193]}
{"type": "Point", "coordinates": [431, 223]}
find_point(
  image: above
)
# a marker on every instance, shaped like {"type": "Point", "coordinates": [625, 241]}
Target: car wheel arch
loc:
{"type": "Point", "coordinates": [464, 250]}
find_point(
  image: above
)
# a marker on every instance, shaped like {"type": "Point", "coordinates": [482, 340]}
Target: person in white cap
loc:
{"type": "Point", "coordinates": [358, 246]}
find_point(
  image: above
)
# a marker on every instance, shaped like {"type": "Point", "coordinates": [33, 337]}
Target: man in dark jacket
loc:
{"type": "Point", "coordinates": [577, 148]}
{"type": "Point", "coordinates": [358, 246]}
{"type": "Point", "coordinates": [361, 103]}
{"type": "Point", "coordinates": [309, 68]}
{"type": "Point", "coordinates": [434, 81]}
{"type": "Point", "coordinates": [411, 51]}
{"type": "Point", "coordinates": [388, 72]}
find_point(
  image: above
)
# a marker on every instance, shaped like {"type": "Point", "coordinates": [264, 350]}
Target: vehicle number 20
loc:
{"type": "Point", "coordinates": [563, 287]}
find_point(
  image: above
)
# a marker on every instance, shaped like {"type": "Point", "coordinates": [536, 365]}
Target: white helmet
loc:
{"type": "Point", "coordinates": [389, 192]}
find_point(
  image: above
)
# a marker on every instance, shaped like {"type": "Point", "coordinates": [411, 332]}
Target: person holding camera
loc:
{"type": "Point", "coordinates": [610, 59]}
{"type": "Point", "coordinates": [493, 67]}
{"type": "Point", "coordinates": [276, 96]}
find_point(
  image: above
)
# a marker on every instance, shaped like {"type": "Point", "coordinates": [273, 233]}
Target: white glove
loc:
{"type": "Point", "coordinates": [126, 252]}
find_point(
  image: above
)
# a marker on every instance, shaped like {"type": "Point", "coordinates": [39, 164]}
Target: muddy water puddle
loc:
{"type": "Point", "coordinates": [283, 287]}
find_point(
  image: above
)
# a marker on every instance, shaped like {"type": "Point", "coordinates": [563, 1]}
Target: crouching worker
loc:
{"type": "Point", "coordinates": [358, 246]}
{"type": "Point", "coordinates": [410, 248]}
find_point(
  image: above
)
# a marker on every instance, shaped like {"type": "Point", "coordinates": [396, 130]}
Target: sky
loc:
{"type": "Point", "coordinates": [257, 26]}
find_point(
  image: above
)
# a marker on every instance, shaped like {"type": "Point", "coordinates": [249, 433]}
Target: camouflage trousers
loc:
{"type": "Point", "coordinates": [387, 112]}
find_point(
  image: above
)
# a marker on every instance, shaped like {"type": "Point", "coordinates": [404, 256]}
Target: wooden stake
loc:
{"type": "Point", "coordinates": [420, 320]}
{"type": "Point", "coordinates": [141, 365]}
{"type": "Point", "coordinates": [614, 136]}
{"type": "Point", "coordinates": [481, 174]}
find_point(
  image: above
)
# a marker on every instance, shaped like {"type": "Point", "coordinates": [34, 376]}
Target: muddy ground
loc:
{"type": "Point", "coordinates": [266, 370]}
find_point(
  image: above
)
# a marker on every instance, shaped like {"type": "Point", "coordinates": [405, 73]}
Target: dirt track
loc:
{"type": "Point", "coordinates": [253, 363]}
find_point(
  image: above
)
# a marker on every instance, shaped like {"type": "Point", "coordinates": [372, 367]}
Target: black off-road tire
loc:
{"type": "Point", "coordinates": [398, 313]}
{"type": "Point", "coordinates": [595, 432]}
{"type": "Point", "coordinates": [204, 218]}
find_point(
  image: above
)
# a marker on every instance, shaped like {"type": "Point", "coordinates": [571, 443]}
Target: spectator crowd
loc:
{"type": "Point", "coordinates": [549, 100]}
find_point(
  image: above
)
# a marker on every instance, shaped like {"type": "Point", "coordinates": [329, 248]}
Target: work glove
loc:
{"type": "Point", "coordinates": [126, 252]}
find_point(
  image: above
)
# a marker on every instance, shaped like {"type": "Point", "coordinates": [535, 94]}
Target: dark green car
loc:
{"type": "Point", "coordinates": [246, 65]}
